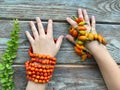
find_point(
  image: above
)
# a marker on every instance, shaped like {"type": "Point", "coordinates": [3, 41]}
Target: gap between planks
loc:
{"type": "Point", "coordinates": [67, 66]}
{"type": "Point", "coordinates": [60, 21]}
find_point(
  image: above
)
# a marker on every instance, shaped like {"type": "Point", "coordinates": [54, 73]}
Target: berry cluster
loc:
{"type": "Point", "coordinates": [40, 68]}
{"type": "Point", "coordinates": [81, 37]}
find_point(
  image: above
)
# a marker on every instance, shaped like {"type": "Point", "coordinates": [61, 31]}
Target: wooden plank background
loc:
{"type": "Point", "coordinates": [70, 72]}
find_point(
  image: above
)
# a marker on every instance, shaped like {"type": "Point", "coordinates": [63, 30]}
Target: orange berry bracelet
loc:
{"type": "Point", "coordinates": [40, 68]}
{"type": "Point", "coordinates": [82, 37]}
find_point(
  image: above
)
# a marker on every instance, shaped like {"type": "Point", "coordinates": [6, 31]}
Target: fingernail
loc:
{"type": "Point", "coordinates": [30, 22]}
{"type": "Point", "coordinates": [62, 36]}
{"type": "Point", "coordinates": [79, 9]}
{"type": "Point", "coordinates": [37, 17]}
{"type": "Point", "coordinates": [67, 18]}
{"type": "Point", "coordinates": [67, 36]}
{"type": "Point", "coordinates": [50, 20]}
{"type": "Point", "coordinates": [26, 32]}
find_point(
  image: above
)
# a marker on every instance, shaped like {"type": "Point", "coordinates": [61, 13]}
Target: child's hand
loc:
{"type": "Point", "coordinates": [43, 43]}
{"type": "Point", "coordinates": [90, 25]}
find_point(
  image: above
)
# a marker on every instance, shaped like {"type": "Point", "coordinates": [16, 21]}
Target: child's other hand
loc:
{"type": "Point", "coordinates": [90, 25]}
{"type": "Point", "coordinates": [43, 43]}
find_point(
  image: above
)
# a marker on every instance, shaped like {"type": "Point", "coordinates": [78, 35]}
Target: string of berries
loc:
{"type": "Point", "coordinates": [81, 37]}
{"type": "Point", "coordinates": [40, 68]}
{"type": "Point", "coordinates": [6, 70]}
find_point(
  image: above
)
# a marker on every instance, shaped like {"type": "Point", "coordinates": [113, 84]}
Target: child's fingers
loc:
{"type": "Point", "coordinates": [93, 24]}
{"type": "Point", "coordinates": [86, 18]}
{"type": "Point", "coordinates": [59, 41]}
{"type": "Point", "coordinates": [80, 15]}
{"type": "Point", "coordinates": [50, 28]}
{"type": "Point", "coordinates": [40, 26]}
{"type": "Point", "coordinates": [72, 22]}
{"type": "Point", "coordinates": [70, 38]}
{"type": "Point", "coordinates": [29, 37]}
{"type": "Point", "coordinates": [34, 30]}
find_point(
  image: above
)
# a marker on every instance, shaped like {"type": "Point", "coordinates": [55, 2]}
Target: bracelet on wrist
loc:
{"type": "Point", "coordinates": [82, 37]}
{"type": "Point", "coordinates": [40, 68]}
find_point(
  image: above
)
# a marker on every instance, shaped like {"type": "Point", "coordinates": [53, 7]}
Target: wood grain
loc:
{"type": "Point", "coordinates": [70, 73]}
{"type": "Point", "coordinates": [104, 10]}
{"type": "Point", "coordinates": [66, 54]}
{"type": "Point", "coordinates": [67, 78]}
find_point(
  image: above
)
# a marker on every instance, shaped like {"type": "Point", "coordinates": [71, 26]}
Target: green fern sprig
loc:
{"type": "Point", "coordinates": [6, 70]}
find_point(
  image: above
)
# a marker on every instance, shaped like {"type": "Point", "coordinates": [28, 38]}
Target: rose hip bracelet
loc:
{"type": "Point", "coordinates": [40, 68]}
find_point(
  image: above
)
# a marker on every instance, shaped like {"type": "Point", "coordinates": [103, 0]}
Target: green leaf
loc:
{"type": "Point", "coordinates": [9, 43]}
{"type": "Point", "coordinates": [14, 56]}
{"type": "Point", "coordinates": [6, 74]}
{"type": "Point", "coordinates": [1, 75]}
{"type": "Point", "coordinates": [7, 50]}
{"type": "Point", "coordinates": [8, 66]}
{"type": "Point", "coordinates": [2, 67]}
{"type": "Point", "coordinates": [3, 58]}
{"type": "Point", "coordinates": [4, 88]}
{"type": "Point", "coordinates": [3, 80]}
{"type": "Point", "coordinates": [10, 73]}
{"type": "Point", "coordinates": [12, 33]}
{"type": "Point", "coordinates": [10, 80]}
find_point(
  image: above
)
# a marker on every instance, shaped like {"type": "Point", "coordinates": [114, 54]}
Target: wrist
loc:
{"type": "Point", "coordinates": [35, 86]}
{"type": "Point", "coordinates": [43, 53]}
{"type": "Point", "coordinates": [40, 68]}
{"type": "Point", "coordinates": [93, 46]}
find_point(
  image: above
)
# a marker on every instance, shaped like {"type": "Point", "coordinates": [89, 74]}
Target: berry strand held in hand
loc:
{"type": "Point", "coordinates": [82, 37]}
{"type": "Point", "coordinates": [6, 70]}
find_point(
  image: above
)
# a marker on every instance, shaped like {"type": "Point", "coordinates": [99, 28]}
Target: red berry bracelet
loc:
{"type": "Point", "coordinates": [40, 68]}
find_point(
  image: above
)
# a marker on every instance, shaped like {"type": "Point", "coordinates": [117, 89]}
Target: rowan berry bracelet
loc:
{"type": "Point", "coordinates": [81, 37]}
{"type": "Point", "coordinates": [40, 68]}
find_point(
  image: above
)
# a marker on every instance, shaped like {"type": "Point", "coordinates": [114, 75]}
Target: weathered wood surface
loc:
{"type": "Point", "coordinates": [81, 77]}
{"type": "Point", "coordinates": [67, 78]}
{"type": "Point", "coordinates": [66, 54]}
{"type": "Point", "coordinates": [104, 10]}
